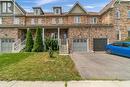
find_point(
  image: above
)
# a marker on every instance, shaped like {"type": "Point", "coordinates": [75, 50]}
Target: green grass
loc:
{"type": "Point", "coordinates": [37, 67]}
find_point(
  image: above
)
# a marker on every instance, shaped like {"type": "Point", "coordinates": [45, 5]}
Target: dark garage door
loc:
{"type": "Point", "coordinates": [99, 44]}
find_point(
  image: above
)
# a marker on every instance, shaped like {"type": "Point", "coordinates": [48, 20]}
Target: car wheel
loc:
{"type": "Point", "coordinates": [108, 51]}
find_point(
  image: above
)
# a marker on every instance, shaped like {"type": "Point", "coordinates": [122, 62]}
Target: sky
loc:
{"type": "Point", "coordinates": [89, 5]}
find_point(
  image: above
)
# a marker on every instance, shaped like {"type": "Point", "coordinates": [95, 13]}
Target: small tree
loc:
{"type": "Point", "coordinates": [38, 43]}
{"type": "Point", "coordinates": [29, 41]}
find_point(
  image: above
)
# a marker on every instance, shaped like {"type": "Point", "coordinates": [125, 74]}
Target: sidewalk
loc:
{"type": "Point", "coordinates": [63, 84]}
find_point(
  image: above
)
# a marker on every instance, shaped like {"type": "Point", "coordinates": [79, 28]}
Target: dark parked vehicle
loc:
{"type": "Point", "coordinates": [119, 48]}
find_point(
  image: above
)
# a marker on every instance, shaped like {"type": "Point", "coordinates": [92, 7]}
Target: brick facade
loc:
{"type": "Point", "coordinates": [105, 26]}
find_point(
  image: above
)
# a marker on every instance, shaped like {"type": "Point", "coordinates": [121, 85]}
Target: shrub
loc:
{"type": "Point", "coordinates": [38, 43]}
{"type": "Point", "coordinates": [50, 51]}
{"type": "Point", "coordinates": [29, 42]}
{"type": "Point", "coordinates": [51, 43]}
{"type": "Point", "coordinates": [128, 39]}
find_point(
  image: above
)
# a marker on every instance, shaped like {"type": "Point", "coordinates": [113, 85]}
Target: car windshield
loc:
{"type": "Point", "coordinates": [126, 45]}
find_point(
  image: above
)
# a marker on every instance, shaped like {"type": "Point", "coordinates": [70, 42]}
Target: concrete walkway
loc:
{"type": "Point", "coordinates": [65, 84]}
{"type": "Point", "coordinates": [102, 66]}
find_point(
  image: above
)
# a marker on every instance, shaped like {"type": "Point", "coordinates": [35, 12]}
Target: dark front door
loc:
{"type": "Point", "coordinates": [99, 44]}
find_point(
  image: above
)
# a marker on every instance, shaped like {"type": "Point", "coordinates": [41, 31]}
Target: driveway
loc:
{"type": "Point", "coordinates": [102, 66]}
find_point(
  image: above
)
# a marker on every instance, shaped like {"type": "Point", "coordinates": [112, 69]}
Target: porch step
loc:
{"type": "Point", "coordinates": [63, 49]}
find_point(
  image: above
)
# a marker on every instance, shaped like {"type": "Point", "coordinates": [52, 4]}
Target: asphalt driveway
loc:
{"type": "Point", "coordinates": [102, 66]}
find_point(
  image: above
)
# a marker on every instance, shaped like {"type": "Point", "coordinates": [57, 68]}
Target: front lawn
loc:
{"type": "Point", "coordinates": [37, 66]}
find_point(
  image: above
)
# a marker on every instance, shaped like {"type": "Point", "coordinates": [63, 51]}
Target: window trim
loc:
{"type": "Point", "coordinates": [6, 9]}
{"type": "Point", "coordinates": [77, 19]}
{"type": "Point", "coordinates": [117, 13]}
{"type": "Point", "coordinates": [128, 13]}
{"type": "Point", "coordinates": [16, 21]}
{"type": "Point", "coordinates": [33, 21]}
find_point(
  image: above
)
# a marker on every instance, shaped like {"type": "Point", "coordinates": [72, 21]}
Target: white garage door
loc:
{"type": "Point", "coordinates": [6, 45]}
{"type": "Point", "coordinates": [80, 45]}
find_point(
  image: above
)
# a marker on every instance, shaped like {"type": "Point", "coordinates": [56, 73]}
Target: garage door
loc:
{"type": "Point", "coordinates": [80, 45]}
{"type": "Point", "coordinates": [99, 44]}
{"type": "Point", "coordinates": [6, 45]}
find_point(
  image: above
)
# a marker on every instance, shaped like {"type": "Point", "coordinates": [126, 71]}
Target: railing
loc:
{"type": "Point", "coordinates": [63, 46]}
{"type": "Point", "coordinates": [18, 45]}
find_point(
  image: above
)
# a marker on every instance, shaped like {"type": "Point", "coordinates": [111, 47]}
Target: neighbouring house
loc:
{"type": "Point", "coordinates": [76, 30]}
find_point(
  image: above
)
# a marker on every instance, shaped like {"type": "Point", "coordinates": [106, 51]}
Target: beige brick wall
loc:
{"type": "Point", "coordinates": [9, 20]}
{"type": "Point", "coordinates": [9, 33]}
{"type": "Point", "coordinates": [90, 34]}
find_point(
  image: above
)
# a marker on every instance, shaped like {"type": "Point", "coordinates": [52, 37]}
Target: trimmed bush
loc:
{"type": "Point", "coordinates": [51, 43]}
{"type": "Point", "coordinates": [38, 43]}
{"type": "Point", "coordinates": [29, 42]}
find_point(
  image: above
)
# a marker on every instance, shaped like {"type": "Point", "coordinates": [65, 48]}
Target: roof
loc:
{"type": "Point", "coordinates": [110, 5]}
{"type": "Point", "coordinates": [17, 5]}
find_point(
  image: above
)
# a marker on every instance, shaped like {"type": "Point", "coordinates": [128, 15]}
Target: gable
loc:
{"type": "Point", "coordinates": [18, 9]}
{"type": "Point", "coordinates": [77, 9]}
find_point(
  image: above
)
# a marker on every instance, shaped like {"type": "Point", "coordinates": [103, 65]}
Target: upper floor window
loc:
{"type": "Point", "coordinates": [57, 21]}
{"type": "Point", "coordinates": [118, 14]}
{"type": "Point", "coordinates": [0, 20]}
{"type": "Point", "coordinates": [94, 20]}
{"type": "Point", "coordinates": [77, 19]}
{"type": "Point", "coordinates": [7, 7]}
{"type": "Point", "coordinates": [39, 21]}
{"type": "Point", "coordinates": [37, 12]}
{"type": "Point", "coordinates": [57, 10]}
{"type": "Point", "coordinates": [16, 21]}
{"type": "Point", "coordinates": [128, 13]}
{"type": "Point", "coordinates": [33, 21]}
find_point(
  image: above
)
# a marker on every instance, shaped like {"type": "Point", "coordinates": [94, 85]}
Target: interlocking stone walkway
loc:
{"type": "Point", "coordinates": [102, 66]}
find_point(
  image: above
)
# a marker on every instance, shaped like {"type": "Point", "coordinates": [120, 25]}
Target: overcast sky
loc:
{"type": "Point", "coordinates": [89, 5]}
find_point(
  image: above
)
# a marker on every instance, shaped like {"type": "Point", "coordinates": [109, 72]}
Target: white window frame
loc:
{"type": "Point", "coordinates": [93, 20]}
{"type": "Point", "coordinates": [118, 14]}
{"type": "Point", "coordinates": [0, 20]}
{"type": "Point", "coordinates": [53, 20]}
{"type": "Point", "coordinates": [16, 21]}
{"type": "Point", "coordinates": [39, 21]}
{"type": "Point", "coordinates": [32, 21]}
{"type": "Point", "coordinates": [60, 20]}
{"type": "Point", "coordinates": [128, 13]}
{"type": "Point", "coordinates": [77, 19]}
{"type": "Point", "coordinates": [36, 11]}
{"type": "Point", "coordinates": [6, 7]}
{"type": "Point", "coordinates": [57, 11]}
